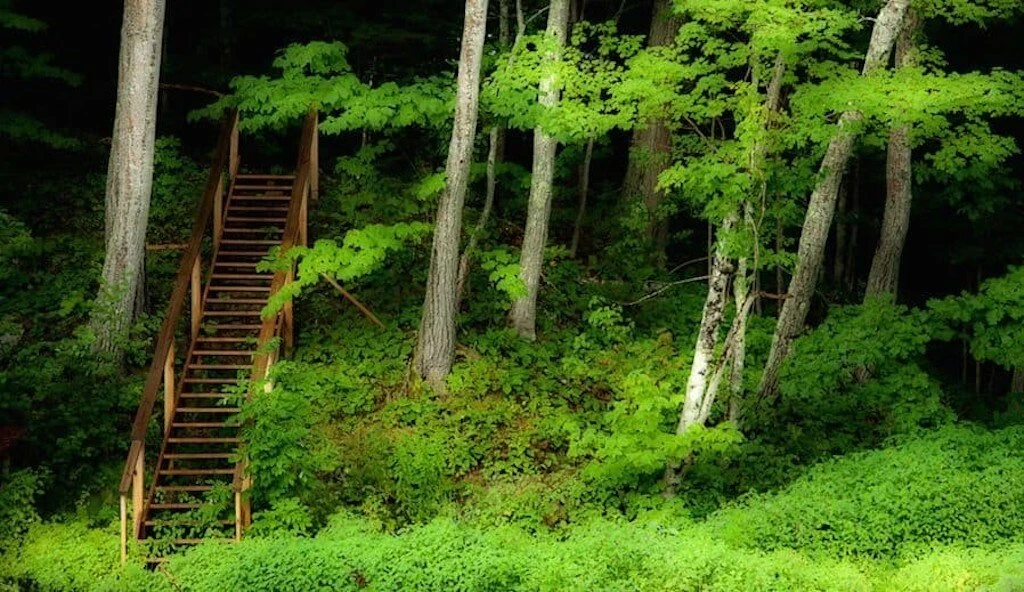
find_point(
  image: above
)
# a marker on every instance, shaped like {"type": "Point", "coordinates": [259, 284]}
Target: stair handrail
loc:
{"type": "Point", "coordinates": [281, 323]}
{"type": "Point", "coordinates": [161, 369]}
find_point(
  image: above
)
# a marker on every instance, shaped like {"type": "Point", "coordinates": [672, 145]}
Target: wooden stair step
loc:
{"type": "Point", "coordinates": [225, 340]}
{"type": "Point", "coordinates": [262, 176]}
{"type": "Point", "coordinates": [204, 424]}
{"type": "Point", "coordinates": [225, 410]}
{"type": "Point", "coordinates": [203, 396]}
{"type": "Point", "coordinates": [248, 241]}
{"type": "Point", "coordinates": [244, 276]}
{"type": "Point", "coordinates": [195, 472]}
{"type": "Point", "coordinates": [252, 264]}
{"type": "Point", "coordinates": [264, 230]}
{"type": "Point", "coordinates": [185, 488]}
{"type": "Point", "coordinates": [175, 506]}
{"type": "Point", "coordinates": [197, 455]}
{"type": "Point", "coordinates": [262, 197]}
{"type": "Point", "coordinates": [241, 254]}
{"type": "Point", "coordinates": [191, 380]}
{"type": "Point", "coordinates": [249, 219]}
{"type": "Point", "coordinates": [219, 366]}
{"type": "Point", "coordinates": [264, 186]}
{"type": "Point", "coordinates": [236, 301]}
{"type": "Point", "coordinates": [238, 327]}
{"type": "Point", "coordinates": [232, 313]}
{"type": "Point", "coordinates": [239, 288]}
{"type": "Point", "coordinates": [186, 523]}
{"type": "Point", "coordinates": [258, 208]}
{"type": "Point", "coordinates": [199, 440]}
{"type": "Point", "coordinates": [197, 541]}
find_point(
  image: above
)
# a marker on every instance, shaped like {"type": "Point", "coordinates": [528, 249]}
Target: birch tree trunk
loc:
{"type": "Point", "coordinates": [822, 204]}
{"type": "Point", "coordinates": [885, 266]}
{"type": "Point", "coordinates": [523, 316]}
{"type": "Point", "coordinates": [649, 152]}
{"type": "Point", "coordinates": [436, 347]}
{"type": "Point", "coordinates": [129, 172]}
{"type": "Point", "coordinates": [699, 393]}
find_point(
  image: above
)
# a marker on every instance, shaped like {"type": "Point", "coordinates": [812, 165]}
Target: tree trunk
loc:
{"type": "Point", "coordinates": [584, 188]}
{"type": "Point", "coordinates": [649, 152]}
{"type": "Point", "coordinates": [495, 154]}
{"type": "Point", "coordinates": [822, 204]}
{"type": "Point", "coordinates": [707, 335]}
{"type": "Point", "coordinates": [698, 391]}
{"type": "Point", "coordinates": [839, 260]}
{"type": "Point", "coordinates": [524, 310]}
{"type": "Point", "coordinates": [885, 267]}
{"type": "Point", "coordinates": [853, 228]}
{"type": "Point", "coordinates": [496, 137]}
{"type": "Point", "coordinates": [1017, 381]}
{"type": "Point", "coordinates": [436, 347]}
{"type": "Point", "coordinates": [129, 172]}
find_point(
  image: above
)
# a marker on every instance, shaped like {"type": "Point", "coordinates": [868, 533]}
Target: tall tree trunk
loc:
{"type": "Point", "coordinates": [495, 154]}
{"type": "Point", "coordinates": [885, 266]}
{"type": "Point", "coordinates": [854, 230]}
{"type": "Point", "coordinates": [583, 189]}
{"type": "Point", "coordinates": [649, 152]}
{"type": "Point", "coordinates": [842, 213]}
{"type": "Point", "coordinates": [129, 172]}
{"type": "Point", "coordinates": [1017, 381]}
{"type": "Point", "coordinates": [822, 205]}
{"type": "Point", "coordinates": [436, 347]}
{"type": "Point", "coordinates": [523, 316]}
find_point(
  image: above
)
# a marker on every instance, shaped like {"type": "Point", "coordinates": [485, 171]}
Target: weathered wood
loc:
{"type": "Point", "coordinates": [169, 390]}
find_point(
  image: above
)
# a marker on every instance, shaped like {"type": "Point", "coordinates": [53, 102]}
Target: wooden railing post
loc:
{"type": "Point", "coordinates": [169, 390]}
{"type": "Point", "coordinates": [197, 296]}
{"type": "Point", "coordinates": [288, 320]}
{"type": "Point", "coordinates": [233, 150]}
{"type": "Point", "coordinates": [218, 213]}
{"type": "Point", "coordinates": [124, 528]}
{"type": "Point", "coordinates": [314, 158]}
{"type": "Point", "coordinates": [138, 493]}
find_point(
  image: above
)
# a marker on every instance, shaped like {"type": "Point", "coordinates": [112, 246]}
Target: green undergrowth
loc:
{"type": "Point", "coordinates": [942, 511]}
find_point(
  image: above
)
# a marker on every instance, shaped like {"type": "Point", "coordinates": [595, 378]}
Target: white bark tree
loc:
{"type": "Point", "coordinates": [129, 172]}
{"type": "Point", "coordinates": [523, 316]}
{"type": "Point", "coordinates": [821, 207]}
{"type": "Point", "coordinates": [701, 390]}
{"type": "Point", "coordinates": [436, 347]}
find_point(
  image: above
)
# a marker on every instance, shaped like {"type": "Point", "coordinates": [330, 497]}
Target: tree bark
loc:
{"type": "Point", "coordinates": [436, 347]}
{"type": "Point", "coordinates": [523, 316]}
{"type": "Point", "coordinates": [495, 154]}
{"type": "Point", "coordinates": [1017, 381]}
{"type": "Point", "coordinates": [822, 204]}
{"type": "Point", "coordinates": [650, 150]}
{"type": "Point", "coordinates": [584, 188]}
{"type": "Point", "coordinates": [885, 266]}
{"type": "Point", "coordinates": [129, 172]}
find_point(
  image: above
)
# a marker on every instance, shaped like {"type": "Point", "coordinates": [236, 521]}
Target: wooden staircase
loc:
{"type": "Point", "coordinates": [197, 488]}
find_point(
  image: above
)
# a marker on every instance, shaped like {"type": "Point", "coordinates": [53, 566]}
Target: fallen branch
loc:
{"type": "Point", "coordinates": [665, 287]}
{"type": "Point", "coordinates": [353, 300]}
{"type": "Point", "coordinates": [191, 88]}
